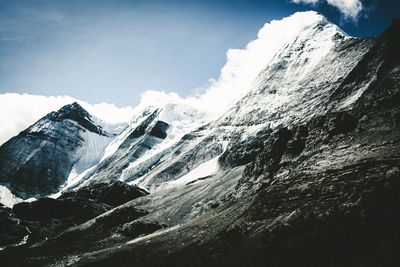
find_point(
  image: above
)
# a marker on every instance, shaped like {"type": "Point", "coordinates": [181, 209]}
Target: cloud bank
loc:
{"type": "Point", "coordinates": [243, 65]}
{"type": "Point", "coordinates": [350, 9]}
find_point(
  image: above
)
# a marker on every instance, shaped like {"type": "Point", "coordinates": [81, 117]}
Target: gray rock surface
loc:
{"type": "Point", "coordinates": [39, 160]}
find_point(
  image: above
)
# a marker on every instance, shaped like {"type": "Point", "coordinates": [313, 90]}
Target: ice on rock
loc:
{"type": "Point", "coordinates": [91, 152]}
{"type": "Point", "coordinates": [182, 120]}
{"type": "Point", "coordinates": [7, 198]}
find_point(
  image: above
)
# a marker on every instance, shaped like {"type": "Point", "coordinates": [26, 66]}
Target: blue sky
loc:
{"type": "Point", "coordinates": [112, 51]}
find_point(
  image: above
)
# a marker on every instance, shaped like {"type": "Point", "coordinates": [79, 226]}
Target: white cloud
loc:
{"type": "Point", "coordinates": [158, 98]}
{"type": "Point", "coordinates": [18, 111]}
{"type": "Point", "coordinates": [349, 8]}
{"type": "Point", "coordinates": [243, 65]}
{"type": "Point", "coordinates": [309, 2]}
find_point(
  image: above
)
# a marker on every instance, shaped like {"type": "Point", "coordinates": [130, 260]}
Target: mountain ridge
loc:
{"type": "Point", "coordinates": [39, 159]}
{"type": "Point", "coordinates": [306, 161]}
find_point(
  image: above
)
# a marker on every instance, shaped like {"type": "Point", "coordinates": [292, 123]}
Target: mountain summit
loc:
{"type": "Point", "coordinates": [76, 113]}
{"type": "Point", "coordinates": [39, 160]}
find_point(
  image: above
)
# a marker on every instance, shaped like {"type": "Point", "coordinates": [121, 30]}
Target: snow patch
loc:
{"type": "Point", "coordinates": [7, 198]}
{"type": "Point", "coordinates": [92, 151]}
{"type": "Point", "coordinates": [157, 233]}
{"type": "Point", "coordinates": [205, 169]}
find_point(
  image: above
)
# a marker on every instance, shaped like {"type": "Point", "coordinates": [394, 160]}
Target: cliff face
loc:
{"type": "Point", "coordinates": [39, 160]}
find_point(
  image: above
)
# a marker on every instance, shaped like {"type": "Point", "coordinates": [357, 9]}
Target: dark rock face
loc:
{"type": "Point", "coordinates": [38, 160]}
{"type": "Point", "coordinates": [160, 129]}
{"type": "Point", "coordinates": [11, 232]}
{"type": "Point", "coordinates": [38, 175]}
{"type": "Point", "coordinates": [47, 217]}
{"type": "Point", "coordinates": [48, 208]}
{"type": "Point", "coordinates": [75, 112]}
{"type": "Point", "coordinates": [137, 228]}
{"type": "Point", "coordinates": [120, 225]}
{"type": "Point", "coordinates": [289, 144]}
{"type": "Point", "coordinates": [243, 152]}
{"type": "Point", "coordinates": [113, 193]}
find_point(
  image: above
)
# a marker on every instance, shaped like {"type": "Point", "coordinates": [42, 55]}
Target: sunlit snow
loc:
{"type": "Point", "coordinates": [7, 198]}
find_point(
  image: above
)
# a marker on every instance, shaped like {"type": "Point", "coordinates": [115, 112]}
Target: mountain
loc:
{"type": "Point", "coordinates": [283, 94]}
{"type": "Point", "coordinates": [143, 143]}
{"type": "Point", "coordinates": [302, 171]}
{"type": "Point", "coordinates": [41, 158]}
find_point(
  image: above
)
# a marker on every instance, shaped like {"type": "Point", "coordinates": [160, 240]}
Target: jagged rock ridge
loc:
{"type": "Point", "coordinates": [39, 160]}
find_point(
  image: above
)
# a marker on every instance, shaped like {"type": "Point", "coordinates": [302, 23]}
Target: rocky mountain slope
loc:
{"type": "Point", "coordinates": [41, 158]}
{"type": "Point", "coordinates": [295, 86]}
{"type": "Point", "coordinates": [149, 137]}
{"type": "Point", "coordinates": [302, 171]}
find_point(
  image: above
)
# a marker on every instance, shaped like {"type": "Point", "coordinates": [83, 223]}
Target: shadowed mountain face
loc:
{"type": "Point", "coordinates": [38, 160]}
{"type": "Point", "coordinates": [46, 217]}
{"type": "Point", "coordinates": [303, 171]}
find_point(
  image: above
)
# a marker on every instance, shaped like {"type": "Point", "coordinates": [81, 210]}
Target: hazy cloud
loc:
{"type": "Point", "coordinates": [243, 65]}
{"type": "Point", "coordinates": [310, 2]}
{"type": "Point", "coordinates": [349, 8]}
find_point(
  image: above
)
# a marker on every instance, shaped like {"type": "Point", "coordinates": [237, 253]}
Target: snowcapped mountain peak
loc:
{"type": "Point", "coordinates": [148, 137]}
{"type": "Point", "coordinates": [73, 113]}
{"type": "Point", "coordinates": [245, 64]}
{"type": "Point", "coordinates": [300, 42]}
{"type": "Point", "coordinates": [143, 113]}
{"type": "Point", "coordinates": [310, 17]}
{"type": "Point", "coordinates": [71, 110]}
{"type": "Point", "coordinates": [307, 66]}
{"type": "Point", "coordinates": [185, 114]}
{"type": "Point", "coordinates": [170, 110]}
{"type": "Point", "coordinates": [180, 116]}
{"type": "Point", "coordinates": [73, 107]}
{"type": "Point", "coordinates": [55, 148]}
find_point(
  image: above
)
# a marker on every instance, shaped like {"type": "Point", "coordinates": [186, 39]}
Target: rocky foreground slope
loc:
{"type": "Point", "coordinates": [302, 171]}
